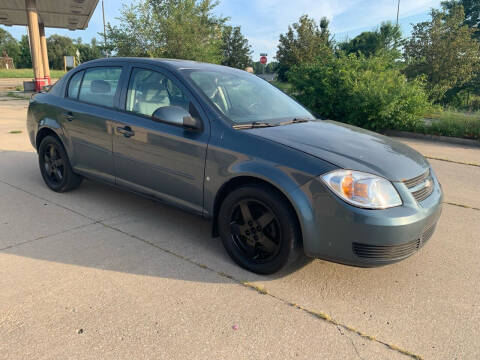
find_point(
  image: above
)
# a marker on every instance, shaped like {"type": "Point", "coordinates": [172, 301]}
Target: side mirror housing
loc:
{"type": "Point", "coordinates": [176, 115]}
{"type": "Point", "coordinates": [192, 123]}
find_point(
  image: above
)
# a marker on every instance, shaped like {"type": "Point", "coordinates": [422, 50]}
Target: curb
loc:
{"type": "Point", "coordinates": [433, 138]}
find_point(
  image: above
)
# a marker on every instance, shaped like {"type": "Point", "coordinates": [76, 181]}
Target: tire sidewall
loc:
{"type": "Point", "coordinates": [285, 218]}
{"type": "Point", "coordinates": [67, 170]}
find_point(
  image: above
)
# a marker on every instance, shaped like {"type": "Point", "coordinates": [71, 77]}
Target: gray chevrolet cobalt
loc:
{"type": "Point", "coordinates": [275, 181]}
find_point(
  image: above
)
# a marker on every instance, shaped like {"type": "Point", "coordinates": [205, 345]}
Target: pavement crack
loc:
{"type": "Point", "coordinates": [452, 161]}
{"type": "Point", "coordinates": [263, 291]}
{"type": "Point", "coordinates": [351, 341]}
{"type": "Point", "coordinates": [462, 205]}
{"type": "Point", "coordinates": [49, 201]}
{"type": "Point", "coordinates": [47, 236]}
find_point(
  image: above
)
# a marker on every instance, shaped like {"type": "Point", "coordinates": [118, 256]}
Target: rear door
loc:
{"type": "Point", "coordinates": [91, 104]}
{"type": "Point", "coordinates": [156, 158]}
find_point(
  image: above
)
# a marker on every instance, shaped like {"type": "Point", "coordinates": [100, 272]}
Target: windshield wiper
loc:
{"type": "Point", "coordinates": [294, 121]}
{"type": "Point", "coordinates": [253, 125]}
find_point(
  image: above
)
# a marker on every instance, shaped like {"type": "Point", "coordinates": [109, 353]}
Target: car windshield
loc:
{"type": "Point", "coordinates": [245, 98]}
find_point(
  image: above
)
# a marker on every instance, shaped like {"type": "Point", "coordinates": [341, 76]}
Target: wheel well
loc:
{"type": "Point", "coordinates": [238, 182]}
{"type": "Point", "coordinates": [42, 134]}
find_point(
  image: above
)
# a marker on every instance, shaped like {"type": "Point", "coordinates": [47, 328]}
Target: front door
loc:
{"type": "Point", "coordinates": [156, 158]}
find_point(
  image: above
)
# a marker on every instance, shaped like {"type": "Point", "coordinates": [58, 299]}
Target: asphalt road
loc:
{"type": "Point", "coordinates": [100, 273]}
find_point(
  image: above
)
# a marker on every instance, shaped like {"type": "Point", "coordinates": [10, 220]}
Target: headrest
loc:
{"type": "Point", "coordinates": [100, 87]}
{"type": "Point", "coordinates": [153, 86]}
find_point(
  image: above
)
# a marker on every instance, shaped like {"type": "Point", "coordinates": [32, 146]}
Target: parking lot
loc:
{"type": "Point", "coordinates": [98, 273]}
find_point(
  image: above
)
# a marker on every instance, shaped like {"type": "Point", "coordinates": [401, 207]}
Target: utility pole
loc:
{"type": "Point", "coordinates": [104, 31]}
{"type": "Point", "coordinates": [398, 10]}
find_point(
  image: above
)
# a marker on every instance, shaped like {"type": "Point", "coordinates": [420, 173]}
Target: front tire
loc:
{"type": "Point", "coordinates": [55, 166]}
{"type": "Point", "coordinates": [258, 229]}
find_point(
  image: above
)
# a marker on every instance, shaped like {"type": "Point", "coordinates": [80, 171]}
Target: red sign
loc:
{"type": "Point", "coordinates": [263, 60]}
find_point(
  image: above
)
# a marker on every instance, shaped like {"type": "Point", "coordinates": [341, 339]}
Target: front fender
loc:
{"type": "Point", "coordinates": [287, 181]}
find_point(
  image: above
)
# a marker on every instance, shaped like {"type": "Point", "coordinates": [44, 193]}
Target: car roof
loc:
{"type": "Point", "coordinates": [172, 64]}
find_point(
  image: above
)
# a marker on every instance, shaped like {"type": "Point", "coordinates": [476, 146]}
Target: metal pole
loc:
{"type": "Point", "coordinates": [104, 31]}
{"type": "Point", "coordinates": [398, 10]}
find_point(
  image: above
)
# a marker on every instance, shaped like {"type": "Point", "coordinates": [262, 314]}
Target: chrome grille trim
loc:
{"type": "Point", "coordinates": [421, 186]}
{"type": "Point", "coordinates": [422, 194]}
{"type": "Point", "coordinates": [417, 180]}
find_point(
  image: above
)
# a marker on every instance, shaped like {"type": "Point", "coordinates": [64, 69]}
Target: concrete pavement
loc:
{"type": "Point", "coordinates": [100, 273]}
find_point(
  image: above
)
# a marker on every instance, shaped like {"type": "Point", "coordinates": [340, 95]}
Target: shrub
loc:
{"type": "Point", "coordinates": [368, 92]}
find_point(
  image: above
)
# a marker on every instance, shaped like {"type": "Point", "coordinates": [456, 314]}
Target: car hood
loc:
{"type": "Point", "coordinates": [349, 147]}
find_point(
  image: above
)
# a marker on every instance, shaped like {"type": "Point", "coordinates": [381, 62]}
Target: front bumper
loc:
{"type": "Point", "coordinates": [346, 234]}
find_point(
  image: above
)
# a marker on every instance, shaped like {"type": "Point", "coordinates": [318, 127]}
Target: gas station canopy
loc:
{"type": "Point", "coordinates": [37, 15]}
{"type": "Point", "coordinates": [68, 14]}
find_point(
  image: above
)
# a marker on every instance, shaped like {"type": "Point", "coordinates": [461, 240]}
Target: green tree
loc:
{"type": "Point", "coordinates": [59, 46]}
{"type": "Point", "coordinates": [257, 67]}
{"type": "Point", "coordinates": [9, 45]}
{"type": "Point", "coordinates": [444, 51]}
{"type": "Point", "coordinates": [387, 38]}
{"type": "Point", "coordinates": [472, 13]}
{"type": "Point", "coordinates": [272, 67]}
{"type": "Point", "coordinates": [181, 29]}
{"type": "Point", "coordinates": [88, 51]}
{"type": "Point", "coordinates": [472, 20]}
{"type": "Point", "coordinates": [24, 56]}
{"type": "Point", "coordinates": [235, 48]}
{"type": "Point", "coordinates": [304, 42]}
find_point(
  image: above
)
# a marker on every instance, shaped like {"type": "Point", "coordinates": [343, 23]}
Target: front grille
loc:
{"type": "Point", "coordinates": [392, 252]}
{"type": "Point", "coordinates": [421, 186]}
{"type": "Point", "coordinates": [428, 234]}
{"type": "Point", "coordinates": [417, 180]}
{"type": "Point", "coordinates": [423, 193]}
{"type": "Point", "coordinates": [386, 252]}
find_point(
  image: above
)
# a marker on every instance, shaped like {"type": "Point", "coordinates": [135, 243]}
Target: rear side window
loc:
{"type": "Point", "coordinates": [99, 85]}
{"type": "Point", "coordinates": [74, 85]}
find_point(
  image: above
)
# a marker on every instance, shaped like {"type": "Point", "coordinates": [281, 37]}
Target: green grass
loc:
{"type": "Point", "coordinates": [18, 96]}
{"type": "Point", "coordinates": [452, 123]}
{"type": "Point", "coordinates": [284, 86]}
{"type": "Point", "coordinates": [27, 73]}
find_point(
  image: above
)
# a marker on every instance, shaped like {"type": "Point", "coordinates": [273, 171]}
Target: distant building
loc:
{"type": "Point", "coordinates": [6, 62]}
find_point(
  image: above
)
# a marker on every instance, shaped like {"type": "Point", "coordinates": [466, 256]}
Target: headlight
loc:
{"type": "Point", "coordinates": [362, 189]}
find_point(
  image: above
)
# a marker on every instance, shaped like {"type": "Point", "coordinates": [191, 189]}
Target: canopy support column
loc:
{"type": "Point", "coordinates": [43, 44]}
{"type": "Point", "coordinates": [34, 33]}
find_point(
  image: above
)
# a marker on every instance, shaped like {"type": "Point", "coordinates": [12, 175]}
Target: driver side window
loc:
{"type": "Point", "coordinates": [149, 90]}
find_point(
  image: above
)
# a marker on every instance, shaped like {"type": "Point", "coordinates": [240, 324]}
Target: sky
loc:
{"type": "Point", "coordinates": [262, 21]}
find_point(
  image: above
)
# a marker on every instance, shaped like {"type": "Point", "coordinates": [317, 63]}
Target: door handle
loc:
{"type": "Point", "coordinates": [68, 115]}
{"type": "Point", "coordinates": [126, 131]}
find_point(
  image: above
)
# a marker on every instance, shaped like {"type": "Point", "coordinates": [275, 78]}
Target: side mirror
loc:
{"type": "Point", "coordinates": [46, 88]}
{"type": "Point", "coordinates": [178, 116]}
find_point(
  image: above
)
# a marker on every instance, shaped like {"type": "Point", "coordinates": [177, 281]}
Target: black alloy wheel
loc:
{"type": "Point", "coordinates": [255, 230]}
{"type": "Point", "coordinates": [259, 229]}
{"type": "Point", "coordinates": [55, 166]}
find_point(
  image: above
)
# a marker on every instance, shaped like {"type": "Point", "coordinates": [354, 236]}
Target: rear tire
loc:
{"type": "Point", "coordinates": [259, 229]}
{"type": "Point", "coordinates": [55, 166]}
